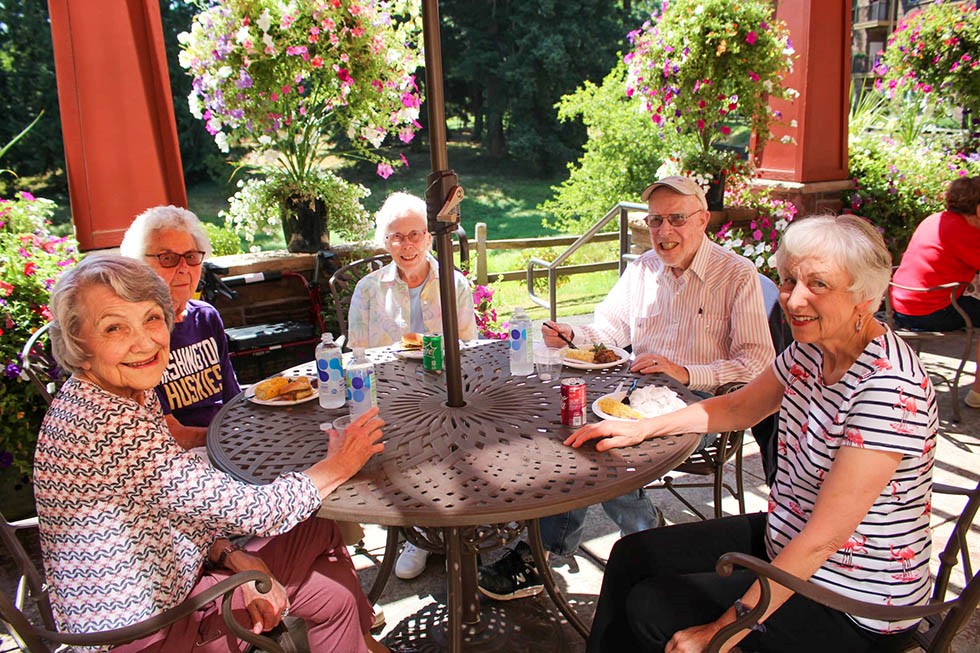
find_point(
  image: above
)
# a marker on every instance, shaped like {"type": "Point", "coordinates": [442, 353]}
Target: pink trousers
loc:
{"type": "Point", "coordinates": [312, 564]}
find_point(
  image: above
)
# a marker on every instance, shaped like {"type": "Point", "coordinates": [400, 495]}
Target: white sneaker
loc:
{"type": "Point", "coordinates": [411, 562]}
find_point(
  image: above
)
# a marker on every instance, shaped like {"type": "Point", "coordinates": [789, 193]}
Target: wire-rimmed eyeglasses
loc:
{"type": "Point", "coordinates": [414, 236]}
{"type": "Point", "coordinates": [172, 259]}
{"type": "Point", "coordinates": [655, 220]}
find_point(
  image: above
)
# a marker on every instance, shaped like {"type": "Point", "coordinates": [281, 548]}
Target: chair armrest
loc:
{"type": "Point", "coordinates": [223, 590]}
{"type": "Point", "coordinates": [765, 572]}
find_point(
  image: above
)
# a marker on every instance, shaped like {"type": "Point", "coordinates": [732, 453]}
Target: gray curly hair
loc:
{"type": "Point", "coordinates": [133, 281]}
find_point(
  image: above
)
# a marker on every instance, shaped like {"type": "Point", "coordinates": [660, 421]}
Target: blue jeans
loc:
{"type": "Point", "coordinates": [632, 512]}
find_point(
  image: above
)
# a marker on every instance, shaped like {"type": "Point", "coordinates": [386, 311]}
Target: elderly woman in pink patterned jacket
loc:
{"type": "Point", "coordinates": [131, 524]}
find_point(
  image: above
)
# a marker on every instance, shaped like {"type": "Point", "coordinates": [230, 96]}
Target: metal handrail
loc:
{"type": "Point", "coordinates": [556, 266]}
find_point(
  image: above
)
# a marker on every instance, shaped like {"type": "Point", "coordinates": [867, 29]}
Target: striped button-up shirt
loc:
{"type": "Point", "coordinates": [710, 319]}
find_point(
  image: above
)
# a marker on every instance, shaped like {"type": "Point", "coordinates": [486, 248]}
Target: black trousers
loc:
{"type": "Point", "coordinates": [663, 580]}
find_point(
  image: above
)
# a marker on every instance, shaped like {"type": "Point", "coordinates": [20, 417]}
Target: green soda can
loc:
{"type": "Point", "coordinates": [432, 352]}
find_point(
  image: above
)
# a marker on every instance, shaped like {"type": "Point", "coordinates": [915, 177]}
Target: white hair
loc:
{"type": "Point", "coordinates": [398, 205]}
{"type": "Point", "coordinates": [850, 241]}
{"type": "Point", "coordinates": [162, 218]}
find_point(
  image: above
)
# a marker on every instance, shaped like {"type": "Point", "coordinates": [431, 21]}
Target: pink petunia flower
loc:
{"type": "Point", "coordinates": [751, 38]}
{"type": "Point", "coordinates": [385, 170]}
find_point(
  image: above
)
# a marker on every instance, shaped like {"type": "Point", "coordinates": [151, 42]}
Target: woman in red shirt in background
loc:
{"type": "Point", "coordinates": [944, 248]}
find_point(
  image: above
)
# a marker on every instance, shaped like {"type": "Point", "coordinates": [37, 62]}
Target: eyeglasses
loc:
{"type": "Point", "coordinates": [675, 219]}
{"type": "Point", "coordinates": [415, 237]}
{"type": "Point", "coordinates": [172, 259]}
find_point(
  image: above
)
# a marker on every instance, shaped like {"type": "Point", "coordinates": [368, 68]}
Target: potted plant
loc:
{"type": "Point", "coordinates": [292, 80]}
{"type": "Point", "coordinates": [933, 51]}
{"type": "Point", "coordinates": [321, 195]}
{"type": "Point", "coordinates": [701, 66]}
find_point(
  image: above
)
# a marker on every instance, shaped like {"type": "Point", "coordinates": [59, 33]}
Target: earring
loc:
{"type": "Point", "coordinates": [858, 325]}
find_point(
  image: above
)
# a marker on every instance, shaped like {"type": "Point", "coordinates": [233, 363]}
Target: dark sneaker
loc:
{"type": "Point", "coordinates": [511, 577]}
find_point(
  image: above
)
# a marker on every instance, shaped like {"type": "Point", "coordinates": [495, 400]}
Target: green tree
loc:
{"type": "Point", "coordinates": [623, 152]}
{"type": "Point", "coordinates": [507, 64]}
{"type": "Point", "coordinates": [27, 86]}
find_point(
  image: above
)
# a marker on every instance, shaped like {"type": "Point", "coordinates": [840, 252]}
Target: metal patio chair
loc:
{"type": "Point", "coordinates": [711, 460]}
{"type": "Point", "coordinates": [38, 365]}
{"type": "Point", "coordinates": [32, 596]}
{"type": "Point", "coordinates": [941, 619]}
{"type": "Point", "coordinates": [917, 338]}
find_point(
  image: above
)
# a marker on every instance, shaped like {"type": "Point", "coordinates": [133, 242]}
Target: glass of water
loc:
{"type": "Point", "coordinates": [547, 364]}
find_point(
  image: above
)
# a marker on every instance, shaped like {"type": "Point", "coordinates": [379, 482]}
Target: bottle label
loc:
{"type": "Point", "coordinates": [361, 390]}
{"type": "Point", "coordinates": [330, 373]}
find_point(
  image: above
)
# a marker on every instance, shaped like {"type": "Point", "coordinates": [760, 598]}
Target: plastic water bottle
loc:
{"type": "Point", "coordinates": [521, 358]}
{"type": "Point", "coordinates": [362, 391]}
{"type": "Point", "coordinates": [330, 373]}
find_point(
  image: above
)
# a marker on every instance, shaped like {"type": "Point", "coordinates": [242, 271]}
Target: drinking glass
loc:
{"type": "Point", "coordinates": [341, 423]}
{"type": "Point", "coordinates": [547, 364]}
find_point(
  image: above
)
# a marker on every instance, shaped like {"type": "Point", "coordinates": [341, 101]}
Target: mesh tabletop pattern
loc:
{"type": "Point", "coordinates": [498, 458]}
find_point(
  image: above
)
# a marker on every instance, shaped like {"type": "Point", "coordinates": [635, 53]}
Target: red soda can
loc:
{"type": "Point", "coordinates": [573, 402]}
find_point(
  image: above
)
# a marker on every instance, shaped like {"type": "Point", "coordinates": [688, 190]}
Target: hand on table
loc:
{"type": "Point", "coordinates": [360, 441]}
{"type": "Point", "coordinates": [550, 335]}
{"type": "Point", "coordinates": [653, 363]}
{"type": "Point", "coordinates": [616, 433]}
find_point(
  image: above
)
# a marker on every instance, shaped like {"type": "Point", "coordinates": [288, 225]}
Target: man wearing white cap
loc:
{"type": "Point", "coordinates": [689, 309]}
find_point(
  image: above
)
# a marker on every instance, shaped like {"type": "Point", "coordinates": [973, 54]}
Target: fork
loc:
{"type": "Point", "coordinates": [626, 400]}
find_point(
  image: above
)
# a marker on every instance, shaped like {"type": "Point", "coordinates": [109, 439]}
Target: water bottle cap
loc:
{"type": "Point", "coordinates": [326, 337]}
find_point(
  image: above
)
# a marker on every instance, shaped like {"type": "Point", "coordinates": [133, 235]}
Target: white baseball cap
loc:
{"type": "Point", "coordinates": [682, 185]}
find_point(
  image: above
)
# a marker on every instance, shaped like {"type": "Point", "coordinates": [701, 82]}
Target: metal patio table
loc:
{"type": "Point", "coordinates": [471, 476]}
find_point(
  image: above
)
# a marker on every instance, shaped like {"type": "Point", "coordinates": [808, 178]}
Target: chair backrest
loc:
{"type": "Point", "coordinates": [941, 629]}
{"type": "Point", "coordinates": [764, 432]}
{"type": "Point", "coordinates": [343, 281]}
{"type": "Point", "coordinates": [38, 365]}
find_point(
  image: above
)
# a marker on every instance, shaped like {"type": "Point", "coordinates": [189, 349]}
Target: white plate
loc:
{"type": "Point", "coordinates": [413, 354]}
{"type": "Point", "coordinates": [280, 402]}
{"type": "Point", "coordinates": [582, 365]}
{"type": "Point", "coordinates": [601, 414]}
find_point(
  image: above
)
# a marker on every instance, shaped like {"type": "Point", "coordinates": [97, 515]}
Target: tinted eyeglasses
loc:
{"type": "Point", "coordinates": [655, 220]}
{"type": "Point", "coordinates": [414, 236]}
{"type": "Point", "coordinates": [172, 259]}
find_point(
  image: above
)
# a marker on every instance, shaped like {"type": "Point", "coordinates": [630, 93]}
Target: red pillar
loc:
{"type": "Point", "coordinates": [820, 32]}
{"type": "Point", "coordinates": [117, 114]}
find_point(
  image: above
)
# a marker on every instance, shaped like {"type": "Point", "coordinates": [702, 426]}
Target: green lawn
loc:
{"type": "Point", "coordinates": [501, 193]}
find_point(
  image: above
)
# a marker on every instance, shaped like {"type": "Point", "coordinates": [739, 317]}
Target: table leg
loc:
{"type": "Point", "coordinates": [387, 565]}
{"type": "Point", "coordinates": [548, 579]}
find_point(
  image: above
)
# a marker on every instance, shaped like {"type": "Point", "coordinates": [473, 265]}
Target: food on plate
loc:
{"type": "Point", "coordinates": [298, 388]}
{"type": "Point", "coordinates": [653, 400]}
{"type": "Point", "coordinates": [281, 388]}
{"type": "Point", "coordinates": [602, 354]}
{"type": "Point", "coordinates": [412, 340]}
{"type": "Point", "coordinates": [583, 355]}
{"type": "Point", "coordinates": [616, 408]}
{"type": "Point", "coordinates": [270, 388]}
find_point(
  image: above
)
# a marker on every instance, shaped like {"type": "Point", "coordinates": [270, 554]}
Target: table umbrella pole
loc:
{"type": "Point", "coordinates": [442, 182]}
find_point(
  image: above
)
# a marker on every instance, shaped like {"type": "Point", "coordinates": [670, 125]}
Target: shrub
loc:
{"type": "Point", "coordinates": [897, 185]}
{"type": "Point", "coordinates": [31, 260]}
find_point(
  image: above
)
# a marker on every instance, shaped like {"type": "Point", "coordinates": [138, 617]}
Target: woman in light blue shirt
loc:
{"type": "Point", "coordinates": [403, 296]}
